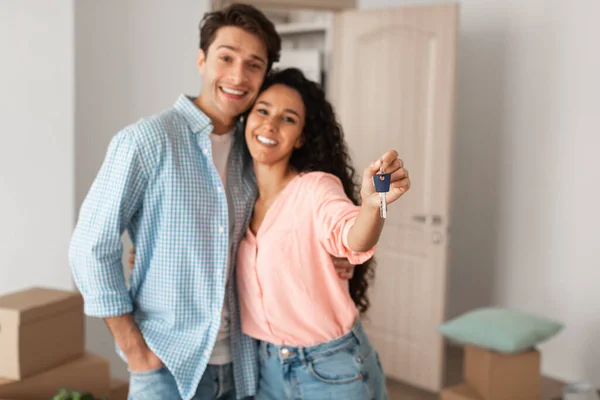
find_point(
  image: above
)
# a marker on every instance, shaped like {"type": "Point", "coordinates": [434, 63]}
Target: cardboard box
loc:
{"type": "Point", "coordinates": [90, 373]}
{"type": "Point", "coordinates": [39, 329]}
{"type": "Point", "coordinates": [460, 392]}
{"type": "Point", "coordinates": [496, 376]}
{"type": "Point", "coordinates": [119, 390]}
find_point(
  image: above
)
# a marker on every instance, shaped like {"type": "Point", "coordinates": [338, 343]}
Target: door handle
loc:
{"type": "Point", "coordinates": [428, 219]}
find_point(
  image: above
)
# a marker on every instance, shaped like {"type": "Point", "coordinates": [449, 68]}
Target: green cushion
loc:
{"type": "Point", "coordinates": [500, 329]}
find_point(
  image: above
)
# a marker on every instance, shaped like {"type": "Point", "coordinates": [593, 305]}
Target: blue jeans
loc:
{"type": "Point", "coordinates": [347, 368]}
{"type": "Point", "coordinates": [216, 384]}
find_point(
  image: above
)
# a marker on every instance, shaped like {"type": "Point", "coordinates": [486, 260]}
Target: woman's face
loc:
{"type": "Point", "coordinates": [275, 124]}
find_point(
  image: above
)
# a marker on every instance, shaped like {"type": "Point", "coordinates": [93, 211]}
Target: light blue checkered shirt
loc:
{"type": "Point", "coordinates": [158, 181]}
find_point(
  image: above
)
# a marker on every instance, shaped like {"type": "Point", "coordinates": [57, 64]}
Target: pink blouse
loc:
{"type": "Point", "coordinates": [290, 293]}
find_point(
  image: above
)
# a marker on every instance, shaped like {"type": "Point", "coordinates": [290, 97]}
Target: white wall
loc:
{"type": "Point", "coordinates": [526, 201]}
{"type": "Point", "coordinates": [36, 145]}
{"type": "Point", "coordinates": [133, 59]}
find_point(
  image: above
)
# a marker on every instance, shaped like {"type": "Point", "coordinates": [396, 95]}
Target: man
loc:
{"type": "Point", "coordinates": [182, 184]}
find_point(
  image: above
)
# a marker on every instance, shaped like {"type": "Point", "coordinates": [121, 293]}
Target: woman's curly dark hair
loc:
{"type": "Point", "coordinates": [324, 149]}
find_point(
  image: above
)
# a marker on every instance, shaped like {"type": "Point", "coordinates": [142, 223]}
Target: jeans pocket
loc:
{"type": "Point", "coordinates": [156, 384]}
{"type": "Point", "coordinates": [150, 372]}
{"type": "Point", "coordinates": [342, 367]}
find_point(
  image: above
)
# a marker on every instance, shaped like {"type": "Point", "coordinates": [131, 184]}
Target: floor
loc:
{"type": "Point", "coordinates": [551, 389]}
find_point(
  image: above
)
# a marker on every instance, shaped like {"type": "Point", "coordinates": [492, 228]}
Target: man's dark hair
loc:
{"type": "Point", "coordinates": [246, 17]}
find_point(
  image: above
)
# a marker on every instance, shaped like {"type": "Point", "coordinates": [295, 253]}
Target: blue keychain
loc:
{"type": "Point", "coordinates": [382, 186]}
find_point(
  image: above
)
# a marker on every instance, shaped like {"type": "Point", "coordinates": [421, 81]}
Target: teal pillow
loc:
{"type": "Point", "coordinates": [500, 329]}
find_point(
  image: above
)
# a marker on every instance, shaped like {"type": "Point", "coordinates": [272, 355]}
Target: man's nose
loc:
{"type": "Point", "coordinates": [237, 74]}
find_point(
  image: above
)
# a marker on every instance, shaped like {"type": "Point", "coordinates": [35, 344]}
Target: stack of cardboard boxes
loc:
{"type": "Point", "coordinates": [42, 348]}
{"type": "Point", "coordinates": [494, 376]}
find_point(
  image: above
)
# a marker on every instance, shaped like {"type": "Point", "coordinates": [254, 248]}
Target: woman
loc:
{"type": "Point", "coordinates": [312, 345]}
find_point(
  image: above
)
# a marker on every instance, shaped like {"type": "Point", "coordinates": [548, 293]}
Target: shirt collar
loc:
{"type": "Point", "coordinates": [195, 118]}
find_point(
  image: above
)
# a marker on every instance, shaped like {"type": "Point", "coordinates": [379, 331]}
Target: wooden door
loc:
{"type": "Point", "coordinates": [392, 84]}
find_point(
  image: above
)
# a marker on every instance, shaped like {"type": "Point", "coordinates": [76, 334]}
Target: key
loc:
{"type": "Point", "coordinates": [382, 186]}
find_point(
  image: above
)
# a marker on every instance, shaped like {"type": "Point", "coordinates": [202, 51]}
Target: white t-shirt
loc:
{"type": "Point", "coordinates": [221, 147]}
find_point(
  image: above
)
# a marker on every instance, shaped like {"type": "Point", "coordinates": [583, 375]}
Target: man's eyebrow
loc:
{"type": "Point", "coordinates": [237, 50]}
{"type": "Point", "coordinates": [258, 58]}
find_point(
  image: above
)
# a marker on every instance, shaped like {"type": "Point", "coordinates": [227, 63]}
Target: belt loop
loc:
{"type": "Point", "coordinates": [357, 331]}
{"type": "Point", "coordinates": [302, 356]}
{"type": "Point", "coordinates": [264, 348]}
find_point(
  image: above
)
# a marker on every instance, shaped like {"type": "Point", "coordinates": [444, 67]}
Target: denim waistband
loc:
{"type": "Point", "coordinates": [356, 336]}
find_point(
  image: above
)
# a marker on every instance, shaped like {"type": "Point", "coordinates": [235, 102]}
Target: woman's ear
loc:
{"type": "Point", "coordinates": [299, 142]}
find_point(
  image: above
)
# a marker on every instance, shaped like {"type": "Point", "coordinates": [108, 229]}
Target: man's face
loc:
{"type": "Point", "coordinates": [232, 70]}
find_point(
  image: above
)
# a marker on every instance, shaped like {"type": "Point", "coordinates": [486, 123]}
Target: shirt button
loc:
{"type": "Point", "coordinates": [221, 229]}
{"type": "Point", "coordinates": [219, 190]}
{"type": "Point", "coordinates": [205, 151]}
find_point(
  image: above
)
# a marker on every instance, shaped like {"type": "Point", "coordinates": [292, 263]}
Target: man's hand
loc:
{"type": "Point", "coordinates": [142, 360]}
{"type": "Point", "coordinates": [343, 267]}
{"type": "Point", "coordinates": [131, 342]}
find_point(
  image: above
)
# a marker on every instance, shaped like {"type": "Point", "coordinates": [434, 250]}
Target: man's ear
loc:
{"type": "Point", "coordinates": [201, 61]}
